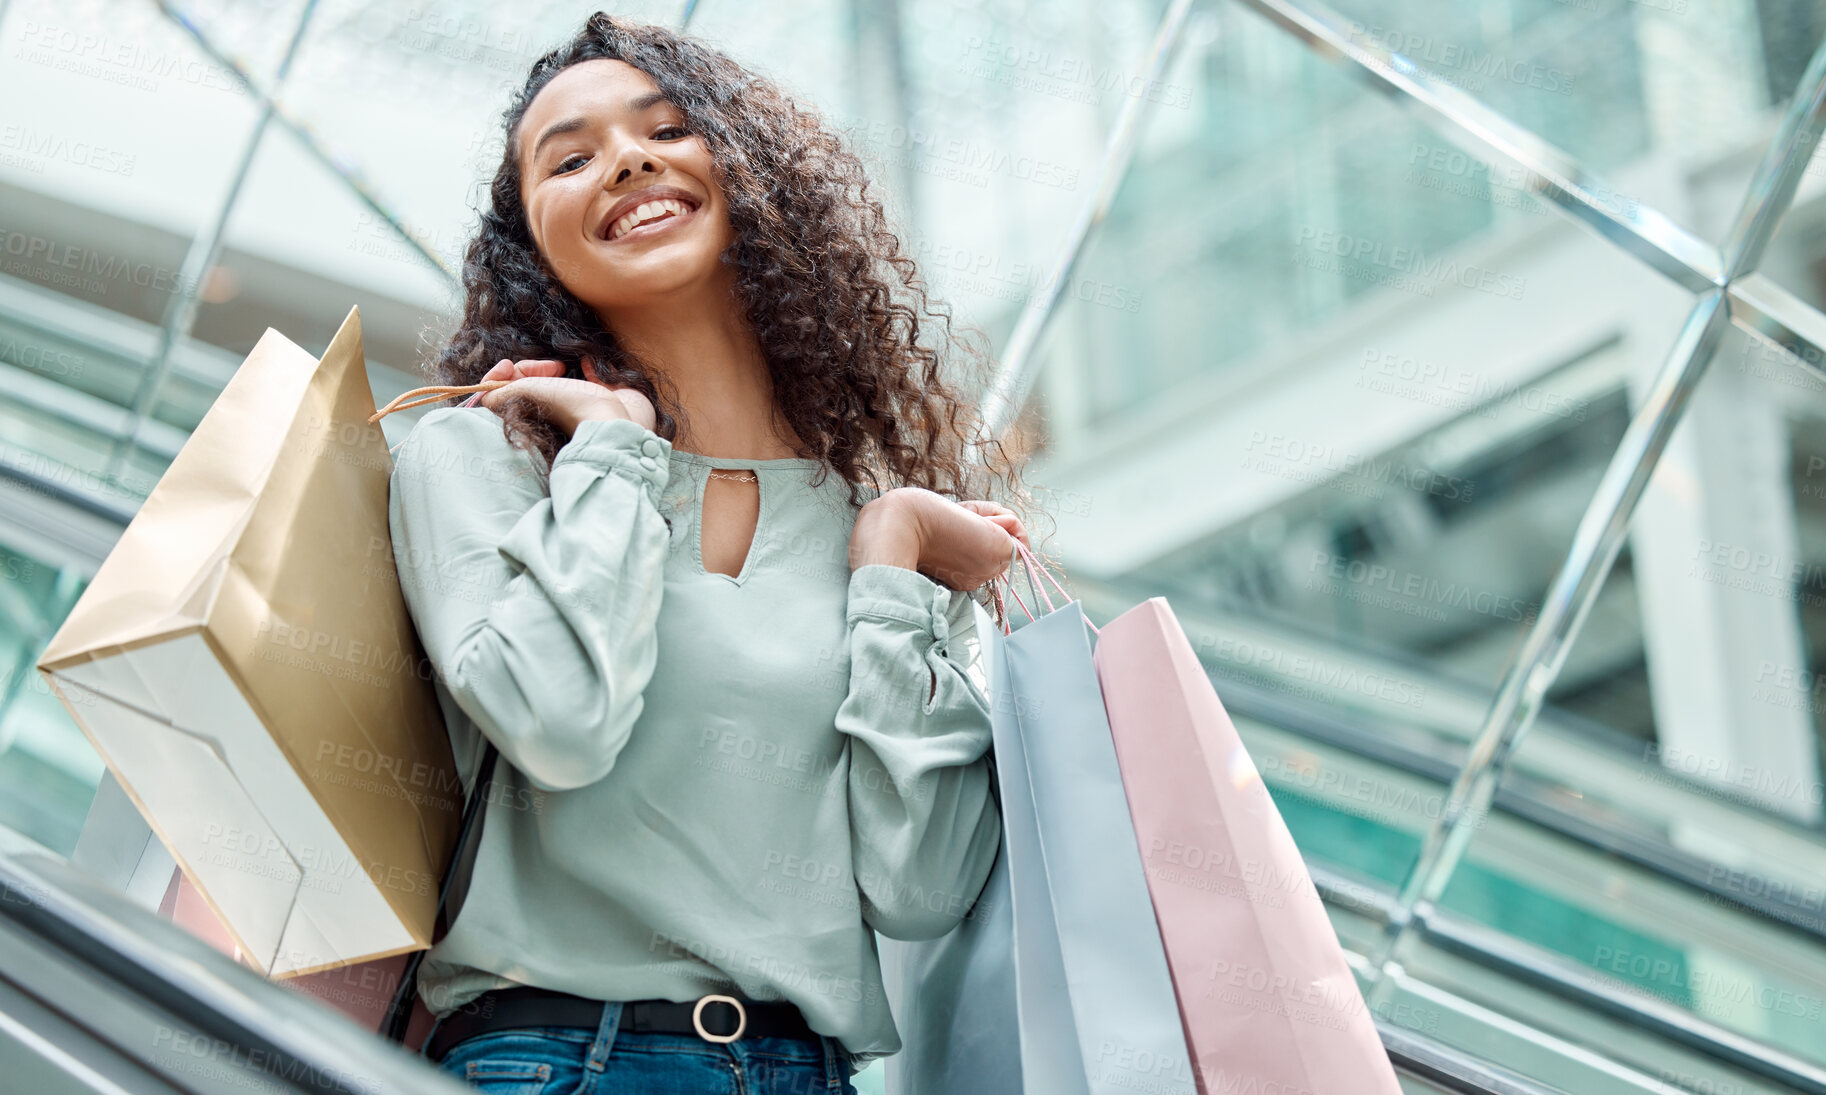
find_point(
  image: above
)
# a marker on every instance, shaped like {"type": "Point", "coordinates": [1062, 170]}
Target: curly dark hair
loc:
{"type": "Point", "coordinates": [839, 309]}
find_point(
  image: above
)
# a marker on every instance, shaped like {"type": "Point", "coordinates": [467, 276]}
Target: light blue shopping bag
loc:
{"type": "Point", "coordinates": [1060, 986]}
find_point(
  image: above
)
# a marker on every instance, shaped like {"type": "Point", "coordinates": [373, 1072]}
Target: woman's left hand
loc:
{"type": "Point", "coordinates": [961, 544]}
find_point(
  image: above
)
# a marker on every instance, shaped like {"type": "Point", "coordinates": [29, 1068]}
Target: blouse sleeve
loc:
{"type": "Point", "coordinates": [924, 825]}
{"type": "Point", "coordinates": [536, 606]}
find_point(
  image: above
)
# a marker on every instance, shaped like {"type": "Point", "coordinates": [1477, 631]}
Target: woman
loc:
{"type": "Point", "coordinates": [735, 735]}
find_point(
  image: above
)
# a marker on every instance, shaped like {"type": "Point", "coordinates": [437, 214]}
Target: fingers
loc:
{"type": "Point", "coordinates": [1012, 526]}
{"type": "Point", "coordinates": [531, 386]}
{"type": "Point", "coordinates": [1000, 516]}
{"type": "Point", "coordinates": [492, 400]}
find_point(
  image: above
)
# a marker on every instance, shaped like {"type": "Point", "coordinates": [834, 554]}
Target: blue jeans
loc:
{"type": "Point", "coordinates": [609, 1061]}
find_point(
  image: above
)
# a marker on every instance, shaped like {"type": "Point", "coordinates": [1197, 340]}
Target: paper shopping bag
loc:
{"type": "Point", "coordinates": [117, 847]}
{"type": "Point", "coordinates": [361, 991]}
{"type": "Point", "coordinates": [953, 998]}
{"type": "Point", "coordinates": [1093, 1003]}
{"type": "Point", "coordinates": [1267, 996]}
{"type": "Point", "coordinates": [245, 664]}
{"type": "Point", "coordinates": [1098, 1014]}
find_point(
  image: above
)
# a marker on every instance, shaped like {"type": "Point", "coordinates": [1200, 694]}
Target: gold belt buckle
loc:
{"type": "Point", "coordinates": [741, 1021]}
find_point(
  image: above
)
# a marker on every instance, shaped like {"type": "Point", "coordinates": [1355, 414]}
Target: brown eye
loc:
{"type": "Point", "coordinates": [572, 158]}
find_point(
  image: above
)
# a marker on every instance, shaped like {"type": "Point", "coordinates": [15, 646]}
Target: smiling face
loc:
{"type": "Point", "coordinates": [622, 201]}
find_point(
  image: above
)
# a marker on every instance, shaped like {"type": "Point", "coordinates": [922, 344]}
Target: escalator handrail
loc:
{"type": "Point", "coordinates": [1513, 958]}
{"type": "Point", "coordinates": [306, 1042]}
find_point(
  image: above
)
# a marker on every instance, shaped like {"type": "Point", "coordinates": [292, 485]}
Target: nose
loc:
{"type": "Point", "coordinates": [630, 157]}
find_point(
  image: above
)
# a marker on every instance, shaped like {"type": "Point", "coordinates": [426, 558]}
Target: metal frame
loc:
{"type": "Point", "coordinates": [199, 260]}
{"type": "Point", "coordinates": [1014, 377]}
{"type": "Point", "coordinates": [1456, 935]}
{"type": "Point", "coordinates": [1729, 291]}
{"type": "Point", "coordinates": [1656, 241]}
{"type": "Point", "coordinates": [1725, 278]}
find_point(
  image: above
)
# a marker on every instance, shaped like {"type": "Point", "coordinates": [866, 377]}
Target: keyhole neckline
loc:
{"type": "Point", "coordinates": [764, 499]}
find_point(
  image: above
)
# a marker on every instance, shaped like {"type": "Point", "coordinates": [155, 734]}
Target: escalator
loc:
{"type": "Point", "coordinates": [98, 995]}
{"type": "Point", "coordinates": [1531, 977]}
{"type": "Point", "coordinates": [1615, 926]}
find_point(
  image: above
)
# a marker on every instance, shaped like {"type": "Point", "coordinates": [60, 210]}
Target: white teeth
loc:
{"type": "Point", "coordinates": [646, 212]}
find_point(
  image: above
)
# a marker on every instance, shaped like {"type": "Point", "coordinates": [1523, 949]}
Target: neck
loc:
{"type": "Point", "coordinates": [703, 344]}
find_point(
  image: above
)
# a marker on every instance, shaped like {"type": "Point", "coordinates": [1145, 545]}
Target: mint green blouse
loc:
{"type": "Point", "coordinates": [705, 781]}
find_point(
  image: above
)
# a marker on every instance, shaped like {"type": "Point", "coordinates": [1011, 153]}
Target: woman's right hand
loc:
{"type": "Point", "coordinates": [565, 401]}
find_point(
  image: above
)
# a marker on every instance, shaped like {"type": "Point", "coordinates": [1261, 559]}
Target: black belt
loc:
{"type": "Point", "coordinates": [718, 1016]}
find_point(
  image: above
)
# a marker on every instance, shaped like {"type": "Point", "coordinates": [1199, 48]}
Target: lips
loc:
{"type": "Point", "coordinates": [641, 197]}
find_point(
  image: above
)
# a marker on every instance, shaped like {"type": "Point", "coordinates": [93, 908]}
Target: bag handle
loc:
{"type": "Point", "coordinates": [1031, 562]}
{"type": "Point", "coordinates": [435, 393]}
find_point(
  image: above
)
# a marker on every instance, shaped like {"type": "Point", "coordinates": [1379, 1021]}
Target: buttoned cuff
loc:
{"type": "Point", "coordinates": [620, 445]}
{"type": "Point", "coordinates": [890, 592]}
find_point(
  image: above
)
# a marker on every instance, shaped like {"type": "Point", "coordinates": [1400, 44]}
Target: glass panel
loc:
{"type": "Point", "coordinates": [1677, 856]}
{"type": "Point", "coordinates": [103, 183]}
{"type": "Point", "coordinates": [48, 770]}
{"type": "Point", "coordinates": [300, 251]}
{"type": "Point", "coordinates": [101, 176]}
{"type": "Point", "coordinates": [1796, 259]}
{"type": "Point", "coordinates": [252, 33]}
{"type": "Point", "coordinates": [987, 124]}
{"type": "Point", "coordinates": [1670, 102]}
{"type": "Point", "coordinates": [1356, 416]}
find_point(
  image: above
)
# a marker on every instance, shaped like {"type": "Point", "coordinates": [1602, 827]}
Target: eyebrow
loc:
{"type": "Point", "coordinates": [572, 125]}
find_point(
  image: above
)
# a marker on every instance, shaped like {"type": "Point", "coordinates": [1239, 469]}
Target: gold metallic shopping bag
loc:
{"type": "Point", "coordinates": [245, 664]}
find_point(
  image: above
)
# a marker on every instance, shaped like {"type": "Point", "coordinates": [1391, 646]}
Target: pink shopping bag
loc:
{"type": "Point", "coordinates": [361, 991]}
{"type": "Point", "coordinates": [1265, 993]}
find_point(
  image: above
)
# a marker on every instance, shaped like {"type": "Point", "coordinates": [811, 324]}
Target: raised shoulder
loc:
{"type": "Point", "coordinates": [468, 442]}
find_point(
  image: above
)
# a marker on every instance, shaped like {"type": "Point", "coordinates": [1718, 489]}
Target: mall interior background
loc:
{"type": "Point", "coordinates": [1362, 350]}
